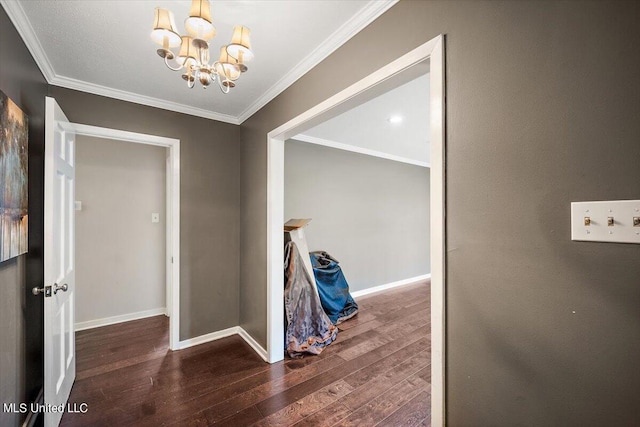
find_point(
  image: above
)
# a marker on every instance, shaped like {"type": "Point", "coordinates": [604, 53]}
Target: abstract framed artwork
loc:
{"type": "Point", "coordinates": [14, 155]}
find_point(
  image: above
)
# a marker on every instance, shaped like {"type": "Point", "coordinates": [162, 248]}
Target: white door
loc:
{"type": "Point", "coordinates": [59, 265]}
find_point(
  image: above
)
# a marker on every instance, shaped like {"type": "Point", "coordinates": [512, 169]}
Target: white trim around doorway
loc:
{"type": "Point", "coordinates": [433, 51]}
{"type": "Point", "coordinates": [173, 213]}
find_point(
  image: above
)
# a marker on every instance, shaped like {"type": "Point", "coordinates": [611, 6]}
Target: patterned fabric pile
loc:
{"type": "Point", "coordinates": [309, 329]}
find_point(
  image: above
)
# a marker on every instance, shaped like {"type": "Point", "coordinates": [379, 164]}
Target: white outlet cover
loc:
{"type": "Point", "coordinates": [598, 212]}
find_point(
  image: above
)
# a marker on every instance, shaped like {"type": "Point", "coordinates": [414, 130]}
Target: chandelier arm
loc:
{"type": "Point", "coordinates": [223, 88]}
{"type": "Point", "coordinates": [166, 62]}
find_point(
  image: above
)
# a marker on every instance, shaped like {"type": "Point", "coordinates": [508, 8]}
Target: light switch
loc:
{"type": "Point", "coordinates": [607, 221]}
{"type": "Point", "coordinates": [155, 217]}
{"type": "Point", "coordinates": [78, 205]}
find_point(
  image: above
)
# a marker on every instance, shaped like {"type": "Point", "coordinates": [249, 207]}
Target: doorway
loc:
{"type": "Point", "coordinates": [172, 209]}
{"type": "Point", "coordinates": [362, 178]}
{"type": "Point", "coordinates": [433, 52]}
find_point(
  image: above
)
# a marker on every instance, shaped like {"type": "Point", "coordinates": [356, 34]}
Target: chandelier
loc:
{"type": "Point", "coordinates": [193, 57]}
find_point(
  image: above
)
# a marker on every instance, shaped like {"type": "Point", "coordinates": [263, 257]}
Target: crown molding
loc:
{"type": "Point", "coordinates": [149, 101]}
{"type": "Point", "coordinates": [19, 19]}
{"type": "Point", "coordinates": [368, 14]}
{"type": "Point", "coordinates": [360, 150]}
{"type": "Point", "coordinates": [357, 23]}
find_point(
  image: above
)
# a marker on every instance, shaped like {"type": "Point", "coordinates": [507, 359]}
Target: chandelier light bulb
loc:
{"type": "Point", "coordinates": [164, 29]}
{"type": "Point", "coordinates": [227, 66]}
{"type": "Point", "coordinates": [240, 46]}
{"type": "Point", "coordinates": [198, 24]}
{"type": "Point", "coordinates": [187, 51]}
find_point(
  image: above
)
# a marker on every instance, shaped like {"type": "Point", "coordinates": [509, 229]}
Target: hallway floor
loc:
{"type": "Point", "coordinates": [378, 372]}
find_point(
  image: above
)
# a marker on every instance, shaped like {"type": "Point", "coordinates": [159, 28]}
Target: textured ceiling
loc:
{"type": "Point", "coordinates": [367, 126]}
{"type": "Point", "coordinates": [104, 47]}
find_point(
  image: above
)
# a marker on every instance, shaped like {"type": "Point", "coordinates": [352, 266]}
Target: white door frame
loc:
{"type": "Point", "coordinates": [433, 50]}
{"type": "Point", "coordinates": [173, 213]}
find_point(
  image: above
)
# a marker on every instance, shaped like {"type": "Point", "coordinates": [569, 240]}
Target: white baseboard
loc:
{"type": "Point", "coordinates": [254, 344]}
{"type": "Point", "coordinates": [90, 324]}
{"type": "Point", "coordinates": [207, 338]}
{"type": "Point", "coordinates": [235, 330]}
{"type": "Point", "coordinates": [391, 285]}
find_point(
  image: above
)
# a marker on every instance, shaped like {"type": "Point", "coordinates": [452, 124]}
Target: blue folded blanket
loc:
{"type": "Point", "coordinates": [332, 287]}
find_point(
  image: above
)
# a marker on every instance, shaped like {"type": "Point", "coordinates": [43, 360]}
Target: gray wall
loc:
{"type": "Point", "coordinates": [210, 209]}
{"type": "Point", "coordinates": [21, 331]}
{"type": "Point", "coordinates": [120, 253]}
{"type": "Point", "coordinates": [542, 107]}
{"type": "Point", "coordinates": [543, 100]}
{"type": "Point", "coordinates": [12, 337]}
{"type": "Point", "coordinates": [209, 201]}
{"type": "Point", "coordinates": [371, 214]}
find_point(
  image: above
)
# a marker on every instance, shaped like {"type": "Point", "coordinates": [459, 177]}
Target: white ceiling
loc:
{"type": "Point", "coordinates": [367, 127]}
{"type": "Point", "coordinates": [103, 47]}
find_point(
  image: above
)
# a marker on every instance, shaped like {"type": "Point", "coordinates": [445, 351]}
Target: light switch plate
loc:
{"type": "Point", "coordinates": [591, 221]}
{"type": "Point", "coordinates": [78, 205]}
{"type": "Point", "coordinates": [155, 217]}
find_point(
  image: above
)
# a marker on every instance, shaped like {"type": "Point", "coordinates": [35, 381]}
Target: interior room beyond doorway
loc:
{"type": "Point", "coordinates": [120, 231]}
{"type": "Point", "coordinates": [363, 179]}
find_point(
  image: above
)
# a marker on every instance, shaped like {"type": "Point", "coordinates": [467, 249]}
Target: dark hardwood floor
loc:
{"type": "Point", "coordinates": [378, 372]}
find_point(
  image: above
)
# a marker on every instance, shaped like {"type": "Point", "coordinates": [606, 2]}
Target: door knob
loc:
{"type": "Point", "coordinates": [62, 288]}
{"type": "Point", "coordinates": [46, 291]}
